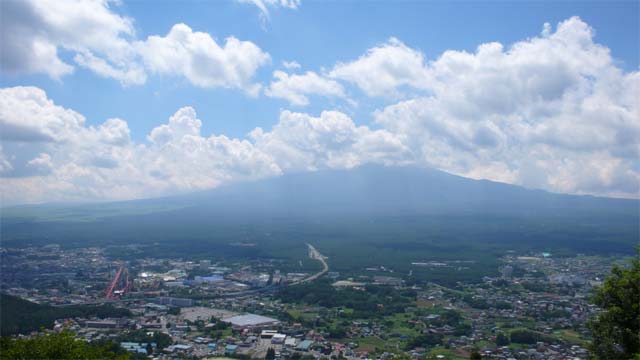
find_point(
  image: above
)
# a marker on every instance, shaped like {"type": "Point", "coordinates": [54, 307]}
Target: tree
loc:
{"type": "Point", "coordinates": [337, 332]}
{"type": "Point", "coordinates": [616, 330]}
{"type": "Point", "coordinates": [56, 346]}
{"type": "Point", "coordinates": [424, 340]}
{"type": "Point", "coordinates": [525, 336]}
{"type": "Point", "coordinates": [502, 339]}
{"type": "Point", "coordinates": [173, 311]}
{"type": "Point", "coordinates": [271, 354]}
{"type": "Point", "coordinates": [475, 356]}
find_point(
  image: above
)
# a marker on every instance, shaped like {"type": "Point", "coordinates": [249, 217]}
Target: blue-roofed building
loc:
{"type": "Point", "coordinates": [304, 345]}
{"type": "Point", "coordinates": [134, 347]}
{"type": "Point", "coordinates": [208, 279]}
{"type": "Point", "coordinates": [230, 349]}
{"type": "Point", "coordinates": [212, 346]}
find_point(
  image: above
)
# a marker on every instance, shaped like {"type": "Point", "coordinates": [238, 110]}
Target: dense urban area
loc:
{"type": "Point", "coordinates": [535, 307]}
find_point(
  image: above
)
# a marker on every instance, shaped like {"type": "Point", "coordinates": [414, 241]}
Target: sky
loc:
{"type": "Point", "coordinates": [114, 100]}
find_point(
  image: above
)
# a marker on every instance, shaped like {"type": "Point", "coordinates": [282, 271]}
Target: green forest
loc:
{"type": "Point", "coordinates": [22, 316]}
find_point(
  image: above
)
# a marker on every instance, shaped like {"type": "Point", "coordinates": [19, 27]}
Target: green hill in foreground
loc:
{"type": "Point", "coordinates": [57, 346]}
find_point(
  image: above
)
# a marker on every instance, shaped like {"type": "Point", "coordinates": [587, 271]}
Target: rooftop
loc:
{"type": "Point", "coordinates": [250, 320]}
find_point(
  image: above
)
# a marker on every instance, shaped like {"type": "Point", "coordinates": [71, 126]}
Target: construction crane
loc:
{"type": "Point", "coordinates": [121, 274]}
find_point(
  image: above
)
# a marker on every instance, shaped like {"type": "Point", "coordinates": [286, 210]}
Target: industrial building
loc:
{"type": "Point", "coordinates": [251, 321]}
{"type": "Point", "coordinates": [173, 301]}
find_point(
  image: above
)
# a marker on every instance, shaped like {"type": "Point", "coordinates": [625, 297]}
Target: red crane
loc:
{"type": "Point", "coordinates": [116, 279]}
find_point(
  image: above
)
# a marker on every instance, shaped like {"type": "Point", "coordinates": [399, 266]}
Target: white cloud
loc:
{"type": "Point", "coordinates": [182, 123]}
{"type": "Point", "coordinates": [27, 115]}
{"type": "Point", "coordinates": [264, 5]}
{"type": "Point", "coordinates": [5, 164]}
{"type": "Point", "coordinates": [115, 131]}
{"type": "Point", "coordinates": [57, 157]}
{"type": "Point", "coordinates": [133, 74]}
{"type": "Point", "coordinates": [550, 112]}
{"type": "Point", "coordinates": [198, 57]}
{"type": "Point", "coordinates": [62, 159]}
{"type": "Point", "coordinates": [296, 88]}
{"type": "Point", "coordinates": [291, 65]}
{"type": "Point", "coordinates": [303, 142]}
{"type": "Point", "coordinates": [384, 68]}
{"type": "Point", "coordinates": [34, 31]}
{"type": "Point", "coordinates": [41, 164]}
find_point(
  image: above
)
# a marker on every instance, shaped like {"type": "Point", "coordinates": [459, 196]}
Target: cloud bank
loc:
{"type": "Point", "coordinates": [55, 156]}
{"type": "Point", "coordinates": [552, 111]}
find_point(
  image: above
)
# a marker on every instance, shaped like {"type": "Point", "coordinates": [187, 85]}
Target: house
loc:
{"type": "Point", "coordinates": [230, 349]}
{"type": "Point", "coordinates": [304, 345]}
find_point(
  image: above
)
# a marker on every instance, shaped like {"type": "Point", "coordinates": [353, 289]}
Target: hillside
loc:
{"type": "Point", "coordinates": [20, 316]}
{"type": "Point", "coordinates": [363, 210]}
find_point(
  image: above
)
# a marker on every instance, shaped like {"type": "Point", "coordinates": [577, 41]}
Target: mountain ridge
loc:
{"type": "Point", "coordinates": [365, 190]}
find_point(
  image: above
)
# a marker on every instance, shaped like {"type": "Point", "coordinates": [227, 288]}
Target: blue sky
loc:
{"type": "Point", "coordinates": [392, 82]}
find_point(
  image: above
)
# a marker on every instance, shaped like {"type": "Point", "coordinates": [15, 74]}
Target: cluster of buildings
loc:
{"type": "Point", "coordinates": [210, 309]}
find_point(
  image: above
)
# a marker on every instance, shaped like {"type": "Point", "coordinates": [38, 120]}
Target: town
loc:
{"type": "Point", "coordinates": [537, 307]}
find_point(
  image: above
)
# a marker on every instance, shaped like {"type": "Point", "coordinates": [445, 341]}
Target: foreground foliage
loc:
{"type": "Point", "coordinates": [56, 346]}
{"type": "Point", "coordinates": [616, 331]}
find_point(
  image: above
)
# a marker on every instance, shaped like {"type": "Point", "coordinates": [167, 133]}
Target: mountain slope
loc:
{"type": "Point", "coordinates": [392, 204]}
{"type": "Point", "coordinates": [367, 190]}
{"type": "Point", "coordinates": [381, 190]}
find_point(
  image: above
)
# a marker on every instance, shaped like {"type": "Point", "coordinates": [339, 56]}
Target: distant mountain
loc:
{"type": "Point", "coordinates": [379, 190]}
{"type": "Point", "coordinates": [369, 190]}
{"type": "Point", "coordinates": [401, 204]}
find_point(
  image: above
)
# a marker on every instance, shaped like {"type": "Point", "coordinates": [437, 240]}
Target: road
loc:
{"type": "Point", "coordinates": [315, 254]}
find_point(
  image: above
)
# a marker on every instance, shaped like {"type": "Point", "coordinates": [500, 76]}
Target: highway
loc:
{"type": "Point", "coordinates": [315, 254]}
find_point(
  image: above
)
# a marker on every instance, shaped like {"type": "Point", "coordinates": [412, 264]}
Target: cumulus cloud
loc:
{"type": "Point", "coordinates": [549, 112]}
{"type": "Point", "coordinates": [27, 115]}
{"type": "Point", "coordinates": [198, 57]}
{"type": "Point", "coordinates": [300, 142]}
{"type": "Point", "coordinates": [33, 32]}
{"type": "Point", "coordinates": [296, 88]}
{"type": "Point", "coordinates": [78, 162]}
{"type": "Point", "coordinates": [553, 111]}
{"type": "Point", "coordinates": [384, 68]}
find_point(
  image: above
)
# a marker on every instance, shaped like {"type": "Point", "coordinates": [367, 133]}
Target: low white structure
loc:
{"type": "Point", "coordinates": [251, 320]}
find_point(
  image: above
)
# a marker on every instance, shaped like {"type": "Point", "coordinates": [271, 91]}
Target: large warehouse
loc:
{"type": "Point", "coordinates": [251, 321]}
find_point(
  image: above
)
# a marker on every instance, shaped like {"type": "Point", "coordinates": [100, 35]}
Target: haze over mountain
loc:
{"type": "Point", "coordinates": [358, 217]}
{"type": "Point", "coordinates": [379, 190]}
{"type": "Point", "coordinates": [366, 190]}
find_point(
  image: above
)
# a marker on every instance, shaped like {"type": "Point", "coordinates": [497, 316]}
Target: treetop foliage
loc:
{"type": "Point", "coordinates": [616, 330]}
